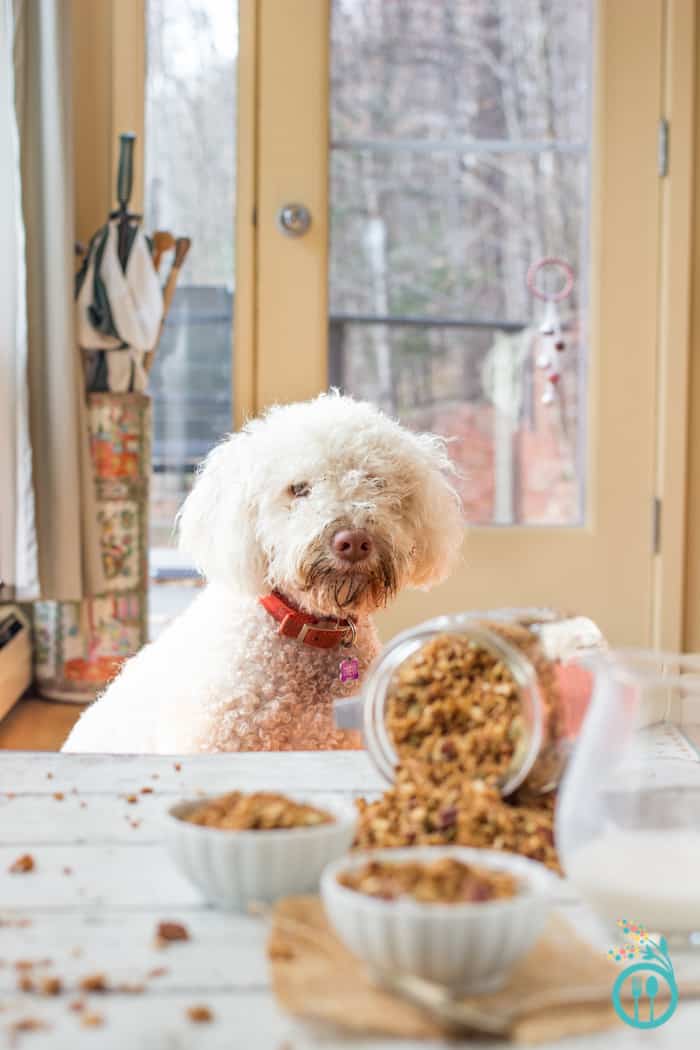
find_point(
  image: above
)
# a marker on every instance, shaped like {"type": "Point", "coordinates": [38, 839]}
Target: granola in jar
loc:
{"type": "Point", "coordinates": [465, 718]}
{"type": "Point", "coordinates": [456, 703]}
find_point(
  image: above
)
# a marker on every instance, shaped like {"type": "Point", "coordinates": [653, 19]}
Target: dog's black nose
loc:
{"type": "Point", "coordinates": [352, 545]}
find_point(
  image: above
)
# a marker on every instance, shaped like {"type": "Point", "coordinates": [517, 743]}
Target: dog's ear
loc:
{"type": "Point", "coordinates": [217, 523]}
{"type": "Point", "coordinates": [440, 524]}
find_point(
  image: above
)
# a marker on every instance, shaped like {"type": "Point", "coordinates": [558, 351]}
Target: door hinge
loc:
{"type": "Point", "coordinates": [662, 157]}
{"type": "Point", "coordinates": [656, 526]}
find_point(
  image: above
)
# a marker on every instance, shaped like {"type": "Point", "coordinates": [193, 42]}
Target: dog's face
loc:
{"type": "Point", "coordinates": [329, 502]}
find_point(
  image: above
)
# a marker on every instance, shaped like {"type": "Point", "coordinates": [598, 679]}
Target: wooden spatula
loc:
{"type": "Point", "coordinates": [162, 242]}
{"type": "Point", "coordinates": [182, 247]}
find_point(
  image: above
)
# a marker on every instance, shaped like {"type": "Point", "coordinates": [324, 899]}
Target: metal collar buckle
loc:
{"type": "Point", "coordinates": [329, 630]}
{"type": "Point", "coordinates": [353, 635]}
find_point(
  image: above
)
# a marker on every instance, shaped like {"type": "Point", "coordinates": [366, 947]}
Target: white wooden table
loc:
{"type": "Point", "coordinates": [102, 915]}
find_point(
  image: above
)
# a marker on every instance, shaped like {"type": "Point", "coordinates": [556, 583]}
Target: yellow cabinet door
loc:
{"type": "Point", "coordinates": [441, 150]}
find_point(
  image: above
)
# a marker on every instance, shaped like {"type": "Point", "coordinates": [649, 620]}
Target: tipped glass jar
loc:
{"type": "Point", "coordinates": [495, 695]}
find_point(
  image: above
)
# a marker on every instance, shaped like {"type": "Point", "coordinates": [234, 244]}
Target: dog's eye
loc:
{"type": "Point", "coordinates": [300, 489]}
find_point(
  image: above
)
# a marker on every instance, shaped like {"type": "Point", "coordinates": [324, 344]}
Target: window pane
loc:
{"type": "Point", "coordinates": [460, 138]}
{"type": "Point", "coordinates": [190, 191]}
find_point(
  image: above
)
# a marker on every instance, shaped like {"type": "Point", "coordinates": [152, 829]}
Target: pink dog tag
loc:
{"type": "Point", "coordinates": [349, 669]}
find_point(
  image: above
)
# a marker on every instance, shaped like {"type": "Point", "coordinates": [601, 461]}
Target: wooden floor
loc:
{"type": "Point", "coordinates": [38, 725]}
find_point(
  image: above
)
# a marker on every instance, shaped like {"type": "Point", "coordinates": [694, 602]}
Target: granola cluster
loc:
{"type": "Point", "coordinates": [22, 865]}
{"type": "Point", "coordinates": [418, 810]}
{"type": "Point", "coordinates": [261, 811]}
{"type": "Point", "coordinates": [443, 881]}
{"type": "Point", "coordinates": [454, 715]}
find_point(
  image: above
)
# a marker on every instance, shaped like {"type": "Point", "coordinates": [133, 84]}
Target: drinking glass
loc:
{"type": "Point", "coordinates": [628, 814]}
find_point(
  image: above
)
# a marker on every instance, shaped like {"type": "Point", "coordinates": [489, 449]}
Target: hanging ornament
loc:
{"type": "Point", "coordinates": [551, 341]}
{"type": "Point", "coordinates": [550, 335]}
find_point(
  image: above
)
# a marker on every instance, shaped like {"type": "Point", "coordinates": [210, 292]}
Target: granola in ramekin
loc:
{"type": "Point", "coordinates": [443, 881]}
{"type": "Point", "coordinates": [260, 811]}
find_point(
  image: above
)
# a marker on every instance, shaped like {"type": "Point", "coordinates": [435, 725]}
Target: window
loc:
{"type": "Point", "coordinates": [190, 188]}
{"type": "Point", "coordinates": [460, 156]}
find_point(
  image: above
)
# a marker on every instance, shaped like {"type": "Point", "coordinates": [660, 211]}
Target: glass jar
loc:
{"type": "Point", "coordinates": [536, 651]}
{"type": "Point", "coordinates": [628, 813]}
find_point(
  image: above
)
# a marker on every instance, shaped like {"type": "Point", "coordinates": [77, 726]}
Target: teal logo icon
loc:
{"type": "Point", "coordinates": [645, 994]}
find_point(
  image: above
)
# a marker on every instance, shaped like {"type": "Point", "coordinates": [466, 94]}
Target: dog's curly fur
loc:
{"type": "Point", "coordinates": [261, 516]}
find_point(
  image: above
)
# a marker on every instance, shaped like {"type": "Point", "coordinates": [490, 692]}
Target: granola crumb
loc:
{"type": "Point", "coordinates": [49, 776]}
{"type": "Point", "coordinates": [200, 1014]}
{"type": "Point", "coordinates": [77, 1005]}
{"type": "Point", "coordinates": [158, 971]}
{"type": "Point", "coordinates": [27, 1024]}
{"type": "Point", "coordinates": [92, 1020]}
{"type": "Point", "coordinates": [23, 864]}
{"type": "Point", "coordinates": [146, 790]}
{"type": "Point", "coordinates": [131, 799]}
{"type": "Point", "coordinates": [166, 932]}
{"type": "Point", "coordinates": [59, 796]}
{"type": "Point", "coordinates": [177, 766]}
{"type": "Point", "coordinates": [25, 983]}
{"type": "Point", "coordinates": [51, 986]}
{"type": "Point", "coordinates": [94, 982]}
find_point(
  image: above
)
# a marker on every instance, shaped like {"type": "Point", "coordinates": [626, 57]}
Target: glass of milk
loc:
{"type": "Point", "coordinates": [628, 814]}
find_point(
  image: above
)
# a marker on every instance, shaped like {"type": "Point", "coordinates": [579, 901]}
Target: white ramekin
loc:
{"type": "Point", "coordinates": [234, 869]}
{"type": "Point", "coordinates": [466, 947]}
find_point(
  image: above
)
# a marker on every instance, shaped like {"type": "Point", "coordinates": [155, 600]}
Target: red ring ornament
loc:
{"type": "Point", "coordinates": [541, 264]}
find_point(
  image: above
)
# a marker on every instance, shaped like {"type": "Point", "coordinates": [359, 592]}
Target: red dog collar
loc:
{"type": "Point", "coordinates": [311, 630]}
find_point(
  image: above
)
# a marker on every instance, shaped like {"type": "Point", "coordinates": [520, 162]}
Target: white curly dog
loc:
{"type": "Point", "coordinates": [303, 523]}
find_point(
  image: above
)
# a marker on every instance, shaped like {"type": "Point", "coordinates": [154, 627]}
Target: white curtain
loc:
{"type": "Point", "coordinates": [18, 549]}
{"type": "Point", "coordinates": [43, 366]}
